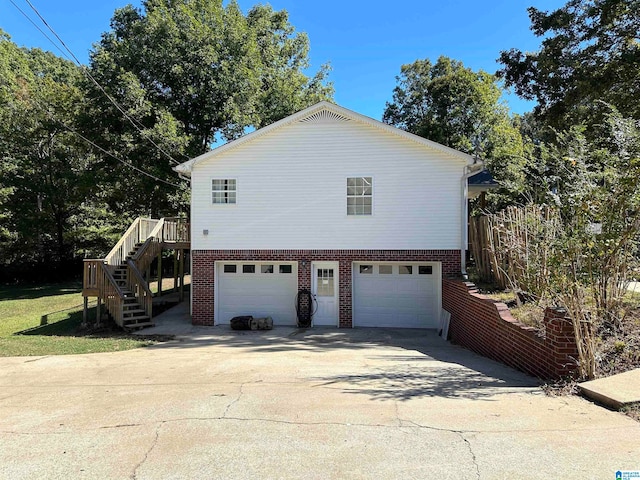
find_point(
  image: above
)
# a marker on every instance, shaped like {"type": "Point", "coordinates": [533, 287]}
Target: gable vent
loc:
{"type": "Point", "coordinates": [324, 116]}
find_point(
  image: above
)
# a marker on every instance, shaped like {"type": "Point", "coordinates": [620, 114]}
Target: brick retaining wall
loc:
{"type": "Point", "coordinates": [488, 328]}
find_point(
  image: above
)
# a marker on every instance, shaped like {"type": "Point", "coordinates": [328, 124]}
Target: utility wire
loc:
{"type": "Point", "coordinates": [130, 165]}
{"type": "Point", "coordinates": [133, 122]}
{"type": "Point", "coordinates": [64, 54]}
{"type": "Point", "coordinates": [106, 152]}
{"type": "Point", "coordinates": [127, 164]}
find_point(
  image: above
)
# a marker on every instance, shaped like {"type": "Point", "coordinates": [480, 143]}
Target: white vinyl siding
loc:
{"type": "Point", "coordinates": [293, 192]}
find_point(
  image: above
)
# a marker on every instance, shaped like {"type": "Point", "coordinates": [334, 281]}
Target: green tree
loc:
{"type": "Point", "coordinates": [598, 197]}
{"type": "Point", "coordinates": [451, 104]}
{"type": "Point", "coordinates": [590, 52]}
{"type": "Point", "coordinates": [215, 70]}
{"type": "Point", "coordinates": [45, 170]}
{"type": "Point", "coordinates": [189, 73]}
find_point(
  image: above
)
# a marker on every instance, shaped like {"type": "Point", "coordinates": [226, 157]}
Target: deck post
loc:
{"type": "Point", "coordinates": [160, 273]}
{"type": "Point", "coordinates": [181, 297]}
{"type": "Point", "coordinates": [98, 312]}
{"type": "Point", "coordinates": [175, 270]}
{"type": "Point", "coordinates": [84, 312]}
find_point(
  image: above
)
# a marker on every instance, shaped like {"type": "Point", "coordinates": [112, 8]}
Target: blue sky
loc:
{"type": "Point", "coordinates": [365, 42]}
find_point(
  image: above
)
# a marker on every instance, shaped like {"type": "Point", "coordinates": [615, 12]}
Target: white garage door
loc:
{"type": "Point", "coordinates": [399, 295]}
{"type": "Point", "coordinates": [260, 289]}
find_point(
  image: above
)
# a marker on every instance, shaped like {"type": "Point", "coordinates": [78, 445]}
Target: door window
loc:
{"type": "Point", "coordinates": [324, 282]}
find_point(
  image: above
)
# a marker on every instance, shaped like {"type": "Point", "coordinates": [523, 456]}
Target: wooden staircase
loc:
{"type": "Point", "coordinates": [134, 314]}
{"type": "Point", "coordinates": [117, 281]}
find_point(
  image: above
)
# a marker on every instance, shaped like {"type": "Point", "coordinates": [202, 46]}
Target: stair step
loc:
{"type": "Point", "coordinates": [128, 321]}
{"type": "Point", "coordinates": [134, 313]}
{"type": "Point", "coordinates": [138, 326]}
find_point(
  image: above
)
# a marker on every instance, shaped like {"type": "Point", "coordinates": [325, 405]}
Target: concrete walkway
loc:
{"type": "Point", "coordinates": [615, 391]}
{"type": "Point", "coordinates": [289, 403]}
{"type": "Point", "coordinates": [175, 321]}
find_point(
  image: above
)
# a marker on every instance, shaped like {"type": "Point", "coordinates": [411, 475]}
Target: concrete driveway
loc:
{"type": "Point", "coordinates": [370, 403]}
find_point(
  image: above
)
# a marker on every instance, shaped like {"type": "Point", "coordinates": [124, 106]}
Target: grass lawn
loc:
{"type": "Point", "coordinates": [22, 331]}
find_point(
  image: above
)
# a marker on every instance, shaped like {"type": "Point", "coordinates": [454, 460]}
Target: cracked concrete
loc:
{"type": "Point", "coordinates": [473, 455]}
{"type": "Point", "coordinates": [134, 475]}
{"type": "Point", "coordinates": [234, 401]}
{"type": "Point", "coordinates": [335, 404]}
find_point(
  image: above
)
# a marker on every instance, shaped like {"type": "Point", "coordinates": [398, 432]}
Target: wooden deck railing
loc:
{"type": "Point", "coordinates": [111, 294]}
{"type": "Point", "coordinates": [90, 277]}
{"type": "Point", "coordinates": [176, 230]}
{"type": "Point", "coordinates": [98, 280]}
{"type": "Point", "coordinates": [140, 288]}
{"type": "Point", "coordinates": [147, 253]}
{"type": "Point", "coordinates": [138, 232]}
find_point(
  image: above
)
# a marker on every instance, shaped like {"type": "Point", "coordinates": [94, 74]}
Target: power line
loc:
{"type": "Point", "coordinates": [127, 164]}
{"type": "Point", "coordinates": [130, 165]}
{"type": "Point", "coordinates": [39, 29]}
{"type": "Point", "coordinates": [75, 132]}
{"type": "Point", "coordinates": [133, 122]}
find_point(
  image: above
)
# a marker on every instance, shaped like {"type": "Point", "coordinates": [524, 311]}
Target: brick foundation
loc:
{"type": "Point", "coordinates": [488, 328]}
{"type": "Point", "coordinates": [202, 279]}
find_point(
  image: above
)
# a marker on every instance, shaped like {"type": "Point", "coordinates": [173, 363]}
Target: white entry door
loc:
{"type": "Point", "coordinates": [324, 285]}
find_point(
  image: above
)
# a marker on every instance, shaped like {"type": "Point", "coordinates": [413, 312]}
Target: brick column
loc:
{"type": "Point", "coordinates": [344, 292]}
{"type": "Point", "coordinates": [202, 287]}
{"type": "Point", "coordinates": [561, 340]}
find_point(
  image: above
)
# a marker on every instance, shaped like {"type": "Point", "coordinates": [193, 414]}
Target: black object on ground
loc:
{"type": "Point", "coordinates": [241, 323]}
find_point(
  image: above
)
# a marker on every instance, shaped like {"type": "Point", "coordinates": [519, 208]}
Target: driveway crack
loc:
{"type": "Point", "coordinates": [473, 455]}
{"type": "Point", "coordinates": [232, 403]}
{"type": "Point", "coordinates": [398, 419]}
{"type": "Point", "coordinates": [148, 452]}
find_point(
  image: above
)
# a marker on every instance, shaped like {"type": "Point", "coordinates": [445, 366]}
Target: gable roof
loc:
{"type": "Point", "coordinates": [323, 110]}
{"type": "Point", "coordinates": [483, 179]}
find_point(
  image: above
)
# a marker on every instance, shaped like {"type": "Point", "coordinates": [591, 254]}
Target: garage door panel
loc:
{"type": "Point", "coordinates": [257, 294]}
{"type": "Point", "coordinates": [397, 300]}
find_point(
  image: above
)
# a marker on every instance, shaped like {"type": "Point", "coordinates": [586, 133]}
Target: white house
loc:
{"type": "Point", "coordinates": [366, 216]}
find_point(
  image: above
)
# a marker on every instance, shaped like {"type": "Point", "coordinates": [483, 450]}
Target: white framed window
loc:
{"type": "Point", "coordinates": [385, 269]}
{"type": "Point", "coordinates": [223, 190]}
{"type": "Point", "coordinates": [359, 195]}
{"type": "Point", "coordinates": [285, 269]}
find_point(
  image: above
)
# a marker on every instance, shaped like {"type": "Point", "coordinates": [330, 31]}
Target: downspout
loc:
{"type": "Point", "coordinates": [469, 171]}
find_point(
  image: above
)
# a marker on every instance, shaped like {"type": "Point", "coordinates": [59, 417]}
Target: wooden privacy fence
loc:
{"type": "Point", "coordinates": [511, 248]}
